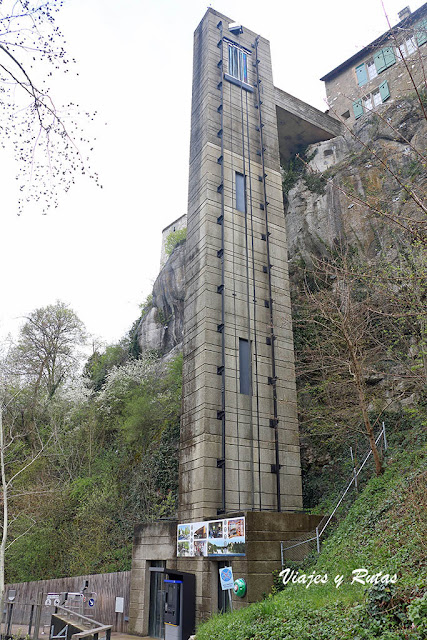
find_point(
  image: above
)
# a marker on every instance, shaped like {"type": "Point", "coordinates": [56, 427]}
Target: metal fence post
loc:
{"type": "Point", "coordinates": [384, 438]}
{"type": "Point", "coordinates": [317, 539]}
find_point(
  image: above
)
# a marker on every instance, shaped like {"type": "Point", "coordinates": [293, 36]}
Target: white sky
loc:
{"type": "Point", "coordinates": [100, 250]}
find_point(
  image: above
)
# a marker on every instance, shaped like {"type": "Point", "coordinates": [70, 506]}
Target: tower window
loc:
{"type": "Point", "coordinates": [237, 63]}
{"type": "Point", "coordinates": [240, 192]}
{"type": "Point", "coordinates": [245, 366]}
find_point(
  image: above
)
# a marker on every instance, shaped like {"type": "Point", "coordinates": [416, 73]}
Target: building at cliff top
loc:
{"type": "Point", "coordinates": [392, 66]}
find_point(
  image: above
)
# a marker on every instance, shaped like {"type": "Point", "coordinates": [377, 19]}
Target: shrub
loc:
{"type": "Point", "coordinates": [174, 239]}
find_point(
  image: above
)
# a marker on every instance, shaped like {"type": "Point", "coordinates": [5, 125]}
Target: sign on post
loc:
{"type": "Point", "coordinates": [226, 577]}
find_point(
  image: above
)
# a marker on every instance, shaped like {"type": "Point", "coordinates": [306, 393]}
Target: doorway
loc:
{"type": "Point", "coordinates": [156, 627]}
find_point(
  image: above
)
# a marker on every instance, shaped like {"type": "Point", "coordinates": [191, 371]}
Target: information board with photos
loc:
{"type": "Point", "coordinates": [211, 538]}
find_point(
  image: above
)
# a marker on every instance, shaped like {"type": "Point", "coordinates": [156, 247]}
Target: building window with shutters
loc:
{"type": "Point", "coordinates": [371, 100]}
{"type": "Point", "coordinates": [382, 60]}
{"type": "Point", "coordinates": [367, 103]}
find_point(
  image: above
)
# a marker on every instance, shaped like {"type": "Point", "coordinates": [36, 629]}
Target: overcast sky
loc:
{"type": "Point", "coordinates": [100, 250]}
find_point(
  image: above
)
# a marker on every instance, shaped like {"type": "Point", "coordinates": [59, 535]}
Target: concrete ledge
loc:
{"type": "Point", "coordinates": [299, 124]}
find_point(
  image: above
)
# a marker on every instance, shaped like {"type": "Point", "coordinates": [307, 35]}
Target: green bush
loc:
{"type": "Point", "coordinates": [174, 239]}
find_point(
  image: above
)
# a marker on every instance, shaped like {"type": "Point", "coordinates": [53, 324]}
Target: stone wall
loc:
{"type": "Point", "coordinates": [342, 88]}
{"type": "Point", "coordinates": [264, 532]}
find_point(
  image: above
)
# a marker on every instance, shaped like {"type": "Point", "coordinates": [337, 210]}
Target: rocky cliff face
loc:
{"type": "Point", "coordinates": [161, 326]}
{"type": "Point", "coordinates": [325, 207]}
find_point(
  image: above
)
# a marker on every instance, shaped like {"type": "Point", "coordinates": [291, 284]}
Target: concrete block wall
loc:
{"type": "Point", "coordinates": [250, 446]}
{"type": "Point", "coordinates": [152, 542]}
{"type": "Point", "coordinates": [264, 532]}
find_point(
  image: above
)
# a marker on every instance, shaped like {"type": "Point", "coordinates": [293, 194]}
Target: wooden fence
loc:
{"type": "Point", "coordinates": [107, 587]}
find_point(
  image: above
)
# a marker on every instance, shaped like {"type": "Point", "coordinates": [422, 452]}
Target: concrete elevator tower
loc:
{"type": "Point", "coordinates": [239, 459]}
{"type": "Point", "coordinates": [239, 442]}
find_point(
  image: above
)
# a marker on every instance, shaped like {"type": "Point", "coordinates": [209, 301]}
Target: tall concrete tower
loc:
{"type": "Point", "coordinates": [239, 441]}
{"type": "Point", "coordinates": [239, 450]}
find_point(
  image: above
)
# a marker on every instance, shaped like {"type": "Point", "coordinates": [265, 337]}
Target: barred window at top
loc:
{"type": "Point", "coordinates": [237, 63]}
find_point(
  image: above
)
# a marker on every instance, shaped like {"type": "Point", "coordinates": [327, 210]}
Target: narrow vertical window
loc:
{"type": "Point", "coordinates": [243, 67]}
{"type": "Point", "coordinates": [240, 192]}
{"type": "Point", "coordinates": [376, 98]}
{"type": "Point", "coordinates": [245, 366]}
{"type": "Point", "coordinates": [233, 61]}
{"type": "Point", "coordinates": [372, 70]}
{"type": "Point", "coordinates": [367, 102]}
{"type": "Point", "coordinates": [410, 45]}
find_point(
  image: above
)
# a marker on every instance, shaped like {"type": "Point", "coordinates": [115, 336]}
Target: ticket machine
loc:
{"type": "Point", "coordinates": [180, 604]}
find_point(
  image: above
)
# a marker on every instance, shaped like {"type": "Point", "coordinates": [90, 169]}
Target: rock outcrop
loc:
{"type": "Point", "coordinates": [325, 208]}
{"type": "Point", "coordinates": [161, 326]}
{"type": "Point", "coordinates": [322, 209]}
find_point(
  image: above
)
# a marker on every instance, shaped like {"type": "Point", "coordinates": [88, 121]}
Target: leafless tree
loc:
{"type": "Point", "coordinates": [48, 141]}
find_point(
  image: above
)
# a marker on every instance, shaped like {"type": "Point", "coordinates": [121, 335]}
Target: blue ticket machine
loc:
{"type": "Point", "coordinates": [180, 605]}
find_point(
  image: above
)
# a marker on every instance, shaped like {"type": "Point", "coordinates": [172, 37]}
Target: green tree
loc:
{"type": "Point", "coordinates": [46, 350]}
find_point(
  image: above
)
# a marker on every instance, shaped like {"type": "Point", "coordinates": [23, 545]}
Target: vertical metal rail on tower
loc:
{"type": "Point", "coordinates": [247, 178]}
{"type": "Point", "coordinates": [275, 468]}
{"type": "Point", "coordinates": [254, 309]}
{"type": "Point", "coordinates": [220, 253]}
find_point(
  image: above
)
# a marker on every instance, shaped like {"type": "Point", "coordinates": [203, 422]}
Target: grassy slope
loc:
{"type": "Point", "coordinates": [385, 530]}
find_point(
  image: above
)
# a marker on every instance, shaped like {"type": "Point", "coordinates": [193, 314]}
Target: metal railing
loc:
{"type": "Point", "coordinates": [95, 631]}
{"type": "Point", "coordinates": [295, 549]}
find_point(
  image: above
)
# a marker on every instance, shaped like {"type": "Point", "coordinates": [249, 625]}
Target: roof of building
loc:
{"type": "Point", "coordinates": [403, 24]}
{"type": "Point", "coordinates": [184, 215]}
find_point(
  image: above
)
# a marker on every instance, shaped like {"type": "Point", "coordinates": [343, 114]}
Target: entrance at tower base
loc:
{"type": "Point", "coordinates": [155, 552]}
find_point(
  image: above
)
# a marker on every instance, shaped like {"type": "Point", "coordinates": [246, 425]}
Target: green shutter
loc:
{"type": "Point", "coordinates": [389, 56]}
{"type": "Point", "coordinates": [384, 91]}
{"type": "Point", "coordinates": [384, 58]}
{"type": "Point", "coordinates": [421, 32]}
{"type": "Point", "coordinates": [358, 108]}
{"type": "Point", "coordinates": [362, 76]}
{"type": "Point", "coordinates": [379, 61]}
